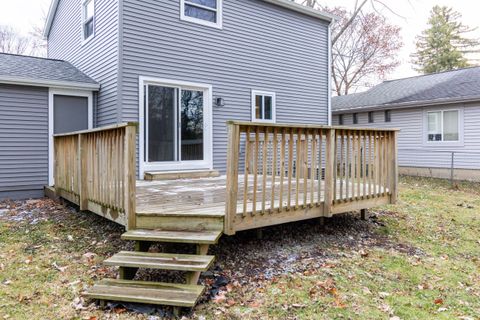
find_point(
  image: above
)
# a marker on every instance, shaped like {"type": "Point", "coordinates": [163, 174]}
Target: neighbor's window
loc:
{"type": "Point", "coordinates": [388, 116]}
{"type": "Point", "coordinates": [370, 117]}
{"type": "Point", "coordinates": [88, 15]}
{"type": "Point", "coordinates": [206, 12]}
{"type": "Point", "coordinates": [340, 119]}
{"type": "Point", "coordinates": [355, 118]}
{"type": "Point", "coordinates": [443, 125]}
{"type": "Point", "coordinates": [263, 106]}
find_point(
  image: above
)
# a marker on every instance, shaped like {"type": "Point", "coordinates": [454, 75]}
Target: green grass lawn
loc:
{"type": "Point", "coordinates": [419, 259]}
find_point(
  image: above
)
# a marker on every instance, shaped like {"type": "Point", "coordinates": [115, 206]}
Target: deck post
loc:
{"type": "Point", "coordinates": [394, 168]}
{"type": "Point", "coordinates": [129, 178]}
{"type": "Point", "coordinates": [329, 172]}
{"type": "Point", "coordinates": [82, 174]}
{"type": "Point", "coordinates": [233, 155]}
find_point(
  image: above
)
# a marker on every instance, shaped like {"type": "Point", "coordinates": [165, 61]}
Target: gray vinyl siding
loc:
{"type": "Point", "coordinates": [413, 152]}
{"type": "Point", "coordinates": [23, 141]}
{"type": "Point", "coordinates": [97, 58]}
{"type": "Point", "coordinates": [261, 47]}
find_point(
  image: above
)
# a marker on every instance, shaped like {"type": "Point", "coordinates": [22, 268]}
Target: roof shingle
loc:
{"type": "Point", "coordinates": [444, 86]}
{"type": "Point", "coordinates": [40, 69]}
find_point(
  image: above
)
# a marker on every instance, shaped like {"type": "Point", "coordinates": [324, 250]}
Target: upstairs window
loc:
{"type": "Point", "coordinates": [371, 118]}
{"type": "Point", "coordinates": [355, 118]}
{"type": "Point", "coordinates": [388, 116]}
{"type": "Point", "coordinates": [340, 119]}
{"type": "Point", "coordinates": [443, 126]}
{"type": "Point", "coordinates": [88, 21]}
{"type": "Point", "coordinates": [206, 12]}
{"type": "Point", "coordinates": [263, 106]}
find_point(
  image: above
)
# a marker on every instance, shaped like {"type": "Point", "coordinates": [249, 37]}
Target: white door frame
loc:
{"type": "Point", "coordinates": [64, 92]}
{"type": "Point", "coordinates": [207, 163]}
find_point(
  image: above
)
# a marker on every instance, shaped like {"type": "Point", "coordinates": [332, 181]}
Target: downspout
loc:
{"type": "Point", "coordinates": [329, 93]}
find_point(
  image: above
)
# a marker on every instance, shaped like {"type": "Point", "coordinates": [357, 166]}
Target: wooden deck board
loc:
{"type": "Point", "coordinates": [207, 196]}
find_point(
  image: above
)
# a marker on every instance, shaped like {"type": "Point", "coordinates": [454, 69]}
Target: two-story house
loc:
{"type": "Point", "coordinates": [182, 68]}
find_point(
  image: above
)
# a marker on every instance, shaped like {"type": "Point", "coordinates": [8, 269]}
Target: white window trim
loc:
{"type": "Point", "coordinates": [458, 143]}
{"type": "Point", "coordinates": [65, 92]}
{"type": "Point", "coordinates": [218, 24]}
{"type": "Point", "coordinates": [274, 105]}
{"type": "Point", "coordinates": [83, 4]}
{"type": "Point", "coordinates": [207, 163]}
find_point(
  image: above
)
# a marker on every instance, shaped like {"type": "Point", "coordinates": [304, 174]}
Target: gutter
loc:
{"type": "Point", "coordinates": [50, 83]}
{"type": "Point", "coordinates": [303, 9]}
{"type": "Point", "coordinates": [410, 104]}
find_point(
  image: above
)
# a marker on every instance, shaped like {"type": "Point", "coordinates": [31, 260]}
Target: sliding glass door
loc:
{"type": "Point", "coordinates": [174, 127]}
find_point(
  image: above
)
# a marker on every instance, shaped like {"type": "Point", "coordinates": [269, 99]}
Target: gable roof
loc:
{"type": "Point", "coordinates": [461, 85]}
{"type": "Point", "coordinates": [34, 71]}
{"type": "Point", "coordinates": [283, 3]}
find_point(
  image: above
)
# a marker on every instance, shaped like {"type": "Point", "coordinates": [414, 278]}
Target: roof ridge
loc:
{"type": "Point", "coordinates": [432, 74]}
{"type": "Point", "coordinates": [29, 56]}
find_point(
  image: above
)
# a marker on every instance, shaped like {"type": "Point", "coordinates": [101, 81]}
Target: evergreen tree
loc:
{"type": "Point", "coordinates": [443, 46]}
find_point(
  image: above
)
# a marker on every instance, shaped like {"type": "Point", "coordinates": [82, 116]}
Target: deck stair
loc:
{"type": "Point", "coordinates": [177, 295]}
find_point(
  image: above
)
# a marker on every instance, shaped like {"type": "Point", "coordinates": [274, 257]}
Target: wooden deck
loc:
{"type": "Point", "coordinates": [275, 173]}
{"type": "Point", "coordinates": [207, 196]}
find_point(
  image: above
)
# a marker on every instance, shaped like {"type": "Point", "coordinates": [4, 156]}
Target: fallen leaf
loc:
{"type": "Point", "coordinates": [255, 304]}
{"type": "Point", "coordinates": [438, 301]}
{"type": "Point", "coordinates": [29, 260]}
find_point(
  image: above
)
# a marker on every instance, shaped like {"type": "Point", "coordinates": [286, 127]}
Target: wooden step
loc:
{"type": "Point", "coordinates": [197, 237]}
{"type": "Point", "coordinates": [176, 175]}
{"type": "Point", "coordinates": [170, 294]}
{"type": "Point", "coordinates": [164, 261]}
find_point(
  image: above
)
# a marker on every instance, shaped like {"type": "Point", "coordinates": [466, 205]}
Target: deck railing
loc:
{"type": "Point", "coordinates": [279, 173]}
{"type": "Point", "coordinates": [96, 170]}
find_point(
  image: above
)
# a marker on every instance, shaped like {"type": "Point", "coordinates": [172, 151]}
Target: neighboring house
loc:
{"type": "Point", "coordinates": [439, 118]}
{"type": "Point", "coordinates": [38, 97]}
{"type": "Point", "coordinates": [182, 68]}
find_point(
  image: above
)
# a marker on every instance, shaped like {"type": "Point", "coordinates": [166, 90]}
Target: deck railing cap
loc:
{"type": "Point", "coordinates": [306, 126]}
{"type": "Point", "coordinates": [105, 128]}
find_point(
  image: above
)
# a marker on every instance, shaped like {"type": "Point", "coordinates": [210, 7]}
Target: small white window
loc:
{"type": "Point", "coordinates": [443, 126]}
{"type": "Point", "coordinates": [88, 19]}
{"type": "Point", "coordinates": [263, 106]}
{"type": "Point", "coordinates": [206, 12]}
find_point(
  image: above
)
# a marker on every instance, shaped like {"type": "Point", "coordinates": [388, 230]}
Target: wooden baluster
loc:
{"type": "Point", "coordinates": [298, 167]}
{"type": "Point", "coordinates": [360, 135]}
{"type": "Point", "coordinates": [305, 167]}
{"type": "Point", "coordinates": [264, 169]}
{"type": "Point", "coordinates": [313, 170]}
{"type": "Point", "coordinates": [274, 168]}
{"type": "Point", "coordinates": [290, 169]}
{"type": "Point", "coordinates": [371, 151]}
{"type": "Point", "coordinates": [255, 171]}
{"type": "Point", "coordinates": [320, 167]}
{"type": "Point", "coordinates": [247, 170]}
{"type": "Point", "coordinates": [342, 164]}
{"type": "Point", "coordinates": [348, 164]}
{"type": "Point", "coordinates": [282, 170]}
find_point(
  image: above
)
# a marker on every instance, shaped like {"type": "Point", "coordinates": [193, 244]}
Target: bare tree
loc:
{"type": "Point", "coordinates": [365, 51]}
{"type": "Point", "coordinates": [13, 42]}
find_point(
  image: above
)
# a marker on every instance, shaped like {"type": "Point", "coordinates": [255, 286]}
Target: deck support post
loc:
{"type": "Point", "coordinates": [363, 214]}
{"type": "Point", "coordinates": [129, 150]}
{"type": "Point", "coordinates": [233, 156]}
{"type": "Point", "coordinates": [126, 273]}
{"type": "Point", "coordinates": [330, 175]}
{"type": "Point", "coordinates": [192, 277]}
{"type": "Point", "coordinates": [394, 168]}
{"type": "Point", "coordinates": [142, 246]}
{"type": "Point", "coordinates": [259, 234]}
{"type": "Point", "coordinates": [321, 220]}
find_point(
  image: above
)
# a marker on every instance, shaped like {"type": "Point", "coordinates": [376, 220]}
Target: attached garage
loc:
{"type": "Point", "coordinates": [38, 97]}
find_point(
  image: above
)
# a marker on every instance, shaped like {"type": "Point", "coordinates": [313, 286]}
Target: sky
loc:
{"type": "Point", "coordinates": [410, 15]}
